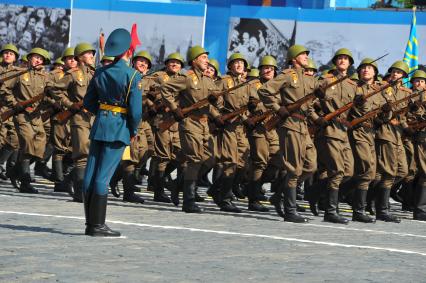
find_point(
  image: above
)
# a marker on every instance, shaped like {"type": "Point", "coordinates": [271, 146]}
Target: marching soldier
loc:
{"type": "Point", "coordinates": [61, 137]}
{"type": "Point", "coordinates": [335, 149]}
{"type": "Point", "coordinates": [418, 107]}
{"type": "Point", "coordinates": [265, 155]}
{"type": "Point", "coordinates": [9, 143]}
{"type": "Point", "coordinates": [72, 89]}
{"type": "Point", "coordinates": [114, 95]}
{"type": "Point", "coordinates": [361, 138]}
{"type": "Point", "coordinates": [194, 133]}
{"type": "Point", "coordinates": [391, 157]}
{"type": "Point", "coordinates": [29, 126]}
{"type": "Point", "coordinates": [234, 142]}
{"type": "Point", "coordinates": [295, 142]}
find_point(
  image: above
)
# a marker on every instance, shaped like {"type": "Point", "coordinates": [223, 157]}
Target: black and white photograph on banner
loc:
{"type": "Point", "coordinates": [256, 38]}
{"type": "Point", "coordinates": [158, 38]}
{"type": "Point", "coordinates": [28, 27]}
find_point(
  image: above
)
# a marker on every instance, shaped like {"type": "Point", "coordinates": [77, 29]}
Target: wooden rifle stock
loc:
{"type": "Point", "coordinates": [259, 118]}
{"type": "Point", "coordinates": [9, 113]}
{"type": "Point", "coordinates": [373, 113]}
{"type": "Point", "coordinates": [166, 124]}
{"type": "Point", "coordinates": [237, 112]}
{"type": "Point", "coordinates": [65, 115]}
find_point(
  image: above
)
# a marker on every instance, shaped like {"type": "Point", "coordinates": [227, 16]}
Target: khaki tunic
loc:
{"type": "Point", "coordinates": [298, 151]}
{"type": "Point", "coordinates": [194, 132]}
{"type": "Point", "coordinates": [8, 135]}
{"type": "Point", "coordinates": [29, 126]}
{"type": "Point", "coordinates": [72, 89]}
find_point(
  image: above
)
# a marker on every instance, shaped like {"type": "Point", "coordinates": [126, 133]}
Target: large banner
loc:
{"type": "Point", "coordinates": [259, 37]}
{"type": "Point", "coordinates": [160, 34]}
{"type": "Point", "coordinates": [28, 27]}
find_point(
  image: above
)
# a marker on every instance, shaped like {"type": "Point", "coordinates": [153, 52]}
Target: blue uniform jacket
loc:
{"type": "Point", "coordinates": [115, 84]}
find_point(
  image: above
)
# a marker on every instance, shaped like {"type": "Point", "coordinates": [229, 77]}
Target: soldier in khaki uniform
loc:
{"type": "Point", "coordinates": [418, 107]}
{"type": "Point", "coordinates": [167, 143]}
{"type": "Point", "coordinates": [361, 137]}
{"type": "Point", "coordinates": [194, 132]}
{"type": "Point", "coordinates": [265, 158]}
{"type": "Point", "coordinates": [29, 126]}
{"type": "Point", "coordinates": [234, 143]}
{"type": "Point", "coordinates": [391, 158]}
{"type": "Point", "coordinates": [295, 142]}
{"type": "Point", "coordinates": [71, 89]}
{"type": "Point", "coordinates": [336, 152]}
{"type": "Point", "coordinates": [9, 141]}
{"type": "Point", "coordinates": [61, 133]}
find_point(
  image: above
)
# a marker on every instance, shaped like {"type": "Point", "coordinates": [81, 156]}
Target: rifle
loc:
{"type": "Point", "coordinates": [231, 115]}
{"type": "Point", "coordinates": [259, 118]}
{"type": "Point", "coordinates": [156, 107]}
{"type": "Point", "coordinates": [65, 115]}
{"type": "Point", "coordinates": [17, 74]}
{"type": "Point", "coordinates": [166, 124]}
{"type": "Point", "coordinates": [9, 113]}
{"type": "Point", "coordinates": [376, 111]}
{"type": "Point", "coordinates": [293, 107]}
{"type": "Point", "coordinates": [417, 125]}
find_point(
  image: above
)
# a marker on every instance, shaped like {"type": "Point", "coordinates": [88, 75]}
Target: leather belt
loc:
{"type": "Point", "coordinates": [113, 108]}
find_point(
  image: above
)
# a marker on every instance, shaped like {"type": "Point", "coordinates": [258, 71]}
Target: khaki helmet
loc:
{"type": "Point", "coordinates": [400, 65]}
{"type": "Point", "coordinates": [343, 51]}
{"type": "Point", "coordinates": [294, 51]}
{"type": "Point", "coordinates": [107, 58]}
{"type": "Point", "coordinates": [354, 77]}
{"type": "Point", "coordinates": [254, 73]}
{"type": "Point", "coordinates": [238, 56]}
{"type": "Point", "coordinates": [175, 56]}
{"type": "Point", "coordinates": [59, 62]}
{"type": "Point", "coordinates": [215, 64]}
{"type": "Point", "coordinates": [311, 65]}
{"type": "Point", "coordinates": [368, 61]}
{"type": "Point", "coordinates": [194, 52]}
{"type": "Point", "coordinates": [68, 52]}
{"type": "Point", "coordinates": [42, 52]}
{"type": "Point", "coordinates": [10, 47]}
{"type": "Point", "coordinates": [268, 60]}
{"type": "Point", "coordinates": [83, 47]}
{"type": "Point", "coordinates": [24, 58]}
{"type": "Point", "coordinates": [419, 74]}
{"type": "Point", "coordinates": [143, 54]}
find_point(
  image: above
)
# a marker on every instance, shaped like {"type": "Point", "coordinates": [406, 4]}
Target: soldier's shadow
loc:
{"type": "Point", "coordinates": [36, 229]}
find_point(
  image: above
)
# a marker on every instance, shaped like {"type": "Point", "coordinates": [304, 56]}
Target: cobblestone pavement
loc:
{"type": "Point", "coordinates": [42, 240]}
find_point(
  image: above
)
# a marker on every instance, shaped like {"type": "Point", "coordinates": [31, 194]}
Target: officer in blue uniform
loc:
{"type": "Point", "coordinates": [115, 96]}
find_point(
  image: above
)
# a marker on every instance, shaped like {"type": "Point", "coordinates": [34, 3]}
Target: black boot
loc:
{"type": "Point", "coordinates": [203, 178]}
{"type": "Point", "coordinates": [225, 198]}
{"type": "Point", "coordinates": [78, 177]}
{"type": "Point", "coordinates": [159, 194]}
{"type": "Point", "coordinates": [312, 195]}
{"type": "Point", "coordinates": [358, 207]}
{"type": "Point", "coordinates": [382, 206]}
{"type": "Point", "coordinates": [41, 169]}
{"type": "Point", "coordinates": [371, 197]}
{"type": "Point", "coordinates": [129, 184]}
{"type": "Point", "coordinates": [420, 203]}
{"type": "Point", "coordinates": [5, 153]}
{"type": "Point", "coordinates": [290, 208]}
{"type": "Point", "coordinates": [331, 214]}
{"type": "Point", "coordinates": [214, 189]}
{"type": "Point", "coordinates": [254, 202]}
{"type": "Point", "coordinates": [198, 198]}
{"type": "Point", "coordinates": [25, 186]}
{"type": "Point", "coordinates": [189, 205]}
{"type": "Point", "coordinates": [113, 183]}
{"type": "Point", "coordinates": [238, 184]}
{"type": "Point", "coordinates": [58, 177]}
{"type": "Point", "coordinates": [277, 198]}
{"type": "Point", "coordinates": [86, 202]}
{"type": "Point", "coordinates": [97, 213]}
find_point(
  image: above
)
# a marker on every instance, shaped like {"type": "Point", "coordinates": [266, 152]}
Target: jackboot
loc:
{"type": "Point", "coordinates": [225, 195]}
{"type": "Point", "coordinates": [189, 205]}
{"type": "Point", "coordinates": [159, 194]}
{"type": "Point", "coordinates": [78, 177]}
{"type": "Point", "coordinates": [113, 183]}
{"type": "Point", "coordinates": [277, 198]}
{"type": "Point", "coordinates": [358, 207]}
{"type": "Point", "coordinates": [331, 214]}
{"type": "Point", "coordinates": [129, 185]}
{"type": "Point", "coordinates": [25, 186]}
{"type": "Point", "coordinates": [5, 152]}
{"type": "Point", "coordinates": [290, 208]}
{"type": "Point", "coordinates": [420, 204]}
{"type": "Point", "coordinates": [254, 203]}
{"type": "Point", "coordinates": [13, 170]}
{"type": "Point", "coordinates": [97, 213]}
{"type": "Point", "coordinates": [382, 206]}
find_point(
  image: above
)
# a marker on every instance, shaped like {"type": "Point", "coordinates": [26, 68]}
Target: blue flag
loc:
{"type": "Point", "coordinates": [411, 55]}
